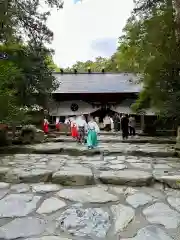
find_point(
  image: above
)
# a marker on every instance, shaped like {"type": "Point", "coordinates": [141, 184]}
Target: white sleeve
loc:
{"type": "Point", "coordinates": [85, 126]}
{"type": "Point", "coordinates": [96, 127]}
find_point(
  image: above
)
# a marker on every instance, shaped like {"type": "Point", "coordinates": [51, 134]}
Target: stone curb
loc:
{"type": "Point", "coordinates": [139, 133]}
{"type": "Point", "coordinates": [127, 177]}
{"type": "Point", "coordinates": [78, 152]}
{"type": "Point", "coordinates": [85, 177]}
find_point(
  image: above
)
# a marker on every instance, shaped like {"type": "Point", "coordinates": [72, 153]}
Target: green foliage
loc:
{"type": "Point", "coordinates": [26, 76]}
{"type": "Point", "coordinates": [34, 81]}
{"type": "Point", "coordinates": [51, 65]}
{"type": "Point", "coordinates": [26, 18]}
{"type": "Point", "coordinates": [150, 46]}
{"type": "Point", "coordinates": [95, 66]}
{"type": "Point", "coordinates": [8, 100]}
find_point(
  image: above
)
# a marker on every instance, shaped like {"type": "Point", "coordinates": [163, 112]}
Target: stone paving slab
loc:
{"type": "Point", "coordinates": [108, 212]}
{"type": "Point", "coordinates": [129, 177]}
{"type": "Point", "coordinates": [89, 170]}
{"type": "Point", "coordinates": [78, 176]}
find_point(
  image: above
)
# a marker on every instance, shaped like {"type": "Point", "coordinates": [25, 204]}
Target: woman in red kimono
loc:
{"type": "Point", "coordinates": [46, 126]}
{"type": "Point", "coordinates": [74, 131]}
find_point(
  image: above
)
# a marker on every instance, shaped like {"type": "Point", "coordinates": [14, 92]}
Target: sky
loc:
{"type": "Point", "coordinates": [84, 31]}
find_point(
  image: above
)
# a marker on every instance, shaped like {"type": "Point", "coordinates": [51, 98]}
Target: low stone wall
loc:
{"type": "Point", "coordinates": [64, 128]}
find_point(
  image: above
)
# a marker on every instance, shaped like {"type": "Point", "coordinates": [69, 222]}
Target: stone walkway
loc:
{"type": "Point", "coordinates": [60, 191]}
{"type": "Point", "coordinates": [84, 170]}
{"type": "Point", "coordinates": [51, 212]}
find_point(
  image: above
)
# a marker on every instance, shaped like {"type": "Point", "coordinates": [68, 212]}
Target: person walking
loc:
{"type": "Point", "coordinates": [46, 126]}
{"type": "Point", "coordinates": [92, 137]}
{"type": "Point", "coordinates": [82, 128]}
{"type": "Point", "coordinates": [132, 125]}
{"type": "Point", "coordinates": [74, 132]}
{"type": "Point", "coordinates": [107, 123]}
{"type": "Point", "coordinates": [96, 120]}
{"type": "Point", "coordinates": [116, 120]}
{"type": "Point", "coordinates": [112, 124]}
{"type": "Point", "coordinates": [67, 123]}
{"type": "Point", "coordinates": [57, 124]}
{"type": "Point", "coordinates": [125, 126]}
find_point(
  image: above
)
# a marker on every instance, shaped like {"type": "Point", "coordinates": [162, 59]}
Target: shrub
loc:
{"type": "Point", "coordinates": [27, 134]}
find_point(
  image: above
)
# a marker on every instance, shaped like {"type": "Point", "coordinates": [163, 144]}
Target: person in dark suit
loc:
{"type": "Point", "coordinates": [116, 120]}
{"type": "Point", "coordinates": [125, 126]}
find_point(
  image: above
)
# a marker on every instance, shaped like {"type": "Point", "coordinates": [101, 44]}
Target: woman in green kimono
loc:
{"type": "Point", "coordinates": [92, 137]}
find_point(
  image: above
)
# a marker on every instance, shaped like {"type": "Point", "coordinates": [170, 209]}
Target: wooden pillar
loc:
{"type": "Point", "coordinates": [142, 122]}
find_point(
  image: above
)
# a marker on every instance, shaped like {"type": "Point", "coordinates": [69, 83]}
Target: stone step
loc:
{"type": "Point", "coordinates": [71, 177]}
{"type": "Point", "coordinates": [75, 149]}
{"type": "Point", "coordinates": [53, 212]}
{"type": "Point", "coordinates": [160, 133]}
{"type": "Point", "coordinates": [81, 171]}
{"type": "Point", "coordinates": [111, 133]}
{"type": "Point", "coordinates": [118, 139]}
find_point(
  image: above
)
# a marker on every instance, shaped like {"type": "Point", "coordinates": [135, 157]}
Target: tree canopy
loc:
{"type": "Point", "coordinates": [152, 49]}
{"type": "Point", "coordinates": [26, 17]}
{"type": "Point", "coordinates": [96, 66]}
{"type": "Point", "coordinates": [26, 74]}
{"type": "Point", "coordinates": [150, 46]}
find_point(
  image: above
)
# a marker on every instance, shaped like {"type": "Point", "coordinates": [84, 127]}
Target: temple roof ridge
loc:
{"type": "Point", "coordinates": [125, 73]}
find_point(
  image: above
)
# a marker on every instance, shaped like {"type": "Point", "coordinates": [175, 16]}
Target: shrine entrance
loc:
{"type": "Point", "coordinates": [102, 112]}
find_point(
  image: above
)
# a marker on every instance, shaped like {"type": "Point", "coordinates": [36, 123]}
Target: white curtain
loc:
{"type": "Point", "coordinates": [64, 108]}
{"type": "Point", "coordinates": [122, 109]}
{"type": "Point", "coordinates": [127, 110]}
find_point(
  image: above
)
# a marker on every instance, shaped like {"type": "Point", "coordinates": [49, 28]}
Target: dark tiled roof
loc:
{"type": "Point", "coordinates": [97, 83]}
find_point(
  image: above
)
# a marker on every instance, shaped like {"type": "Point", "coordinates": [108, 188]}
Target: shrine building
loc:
{"type": "Point", "coordinates": [94, 94]}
